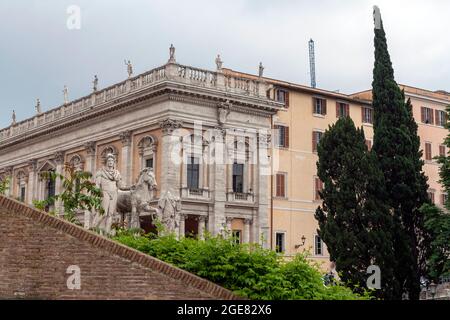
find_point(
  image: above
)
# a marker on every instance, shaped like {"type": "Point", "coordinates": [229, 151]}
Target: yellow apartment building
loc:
{"type": "Point", "coordinates": [308, 113]}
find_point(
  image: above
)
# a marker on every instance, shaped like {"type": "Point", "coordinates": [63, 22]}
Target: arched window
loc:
{"type": "Point", "coordinates": [147, 152]}
{"type": "Point", "coordinates": [22, 182]}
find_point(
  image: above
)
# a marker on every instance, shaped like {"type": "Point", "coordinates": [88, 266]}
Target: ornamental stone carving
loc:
{"type": "Point", "coordinates": [59, 157]}
{"type": "Point", "coordinates": [223, 112]}
{"type": "Point", "coordinates": [33, 163]}
{"type": "Point", "coordinates": [90, 148]}
{"type": "Point", "coordinates": [126, 137]}
{"type": "Point", "coordinates": [169, 125]}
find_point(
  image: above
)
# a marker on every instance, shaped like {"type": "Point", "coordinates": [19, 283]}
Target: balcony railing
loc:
{"type": "Point", "coordinates": [172, 72]}
{"type": "Point", "coordinates": [240, 197]}
{"type": "Point", "coordinates": [201, 194]}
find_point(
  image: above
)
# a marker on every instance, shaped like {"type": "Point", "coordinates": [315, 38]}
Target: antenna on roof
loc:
{"type": "Point", "coordinates": [312, 63]}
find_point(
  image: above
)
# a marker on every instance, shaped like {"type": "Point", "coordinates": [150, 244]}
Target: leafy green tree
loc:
{"type": "Point", "coordinates": [79, 192]}
{"type": "Point", "coordinates": [397, 148]}
{"type": "Point", "coordinates": [353, 222]}
{"type": "Point", "coordinates": [438, 224]}
{"type": "Point", "coordinates": [444, 161]}
{"type": "Point", "coordinates": [4, 185]}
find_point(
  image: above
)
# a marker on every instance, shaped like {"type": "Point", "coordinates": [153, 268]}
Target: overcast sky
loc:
{"type": "Point", "coordinates": [39, 54]}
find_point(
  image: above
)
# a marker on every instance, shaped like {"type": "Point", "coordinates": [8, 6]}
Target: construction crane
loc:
{"type": "Point", "coordinates": [312, 63]}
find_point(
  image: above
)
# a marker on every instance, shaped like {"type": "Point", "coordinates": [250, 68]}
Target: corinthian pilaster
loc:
{"type": "Point", "coordinates": [59, 160]}
{"type": "Point", "coordinates": [32, 181]}
{"type": "Point", "coordinates": [171, 153]}
{"type": "Point", "coordinates": [126, 138]}
{"type": "Point", "coordinates": [90, 158]}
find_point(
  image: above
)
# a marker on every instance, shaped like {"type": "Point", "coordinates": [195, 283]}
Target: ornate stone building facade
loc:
{"type": "Point", "coordinates": [205, 134]}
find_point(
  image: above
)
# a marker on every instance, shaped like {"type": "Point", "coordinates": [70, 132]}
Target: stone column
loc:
{"type": "Point", "coordinates": [201, 227]}
{"type": "Point", "coordinates": [32, 181]}
{"type": "Point", "coordinates": [127, 160]}
{"type": "Point", "coordinates": [218, 183]}
{"type": "Point", "coordinates": [90, 158]}
{"type": "Point", "coordinates": [264, 170]}
{"type": "Point", "coordinates": [59, 160]}
{"type": "Point", "coordinates": [246, 236]}
{"type": "Point", "coordinates": [182, 225]}
{"type": "Point", "coordinates": [171, 146]}
{"type": "Point", "coordinates": [90, 167]}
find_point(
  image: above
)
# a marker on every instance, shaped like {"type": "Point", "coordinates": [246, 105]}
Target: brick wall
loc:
{"type": "Point", "coordinates": [36, 249]}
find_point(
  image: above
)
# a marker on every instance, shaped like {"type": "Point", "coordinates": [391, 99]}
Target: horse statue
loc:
{"type": "Point", "coordinates": [130, 204]}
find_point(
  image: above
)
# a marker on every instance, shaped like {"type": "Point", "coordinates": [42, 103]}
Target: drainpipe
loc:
{"type": "Point", "coordinates": [271, 189]}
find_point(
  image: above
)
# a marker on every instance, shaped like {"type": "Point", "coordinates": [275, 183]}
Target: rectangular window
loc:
{"type": "Point", "coordinates": [342, 110]}
{"type": "Point", "coordinates": [442, 150]}
{"type": "Point", "coordinates": [237, 236]}
{"type": "Point", "coordinates": [319, 106]}
{"type": "Point", "coordinates": [318, 250]}
{"type": "Point", "coordinates": [428, 155]}
{"type": "Point", "coordinates": [431, 196]}
{"type": "Point", "coordinates": [149, 163]}
{"type": "Point", "coordinates": [317, 135]}
{"type": "Point", "coordinates": [317, 188]}
{"type": "Point", "coordinates": [444, 198]}
{"type": "Point", "coordinates": [22, 194]}
{"type": "Point", "coordinates": [369, 144]}
{"type": "Point", "coordinates": [281, 95]}
{"type": "Point", "coordinates": [193, 173]}
{"type": "Point", "coordinates": [427, 115]}
{"type": "Point", "coordinates": [282, 136]}
{"type": "Point", "coordinates": [441, 118]}
{"type": "Point", "coordinates": [238, 178]}
{"type": "Point", "coordinates": [281, 185]}
{"type": "Point", "coordinates": [367, 115]}
{"type": "Point", "coordinates": [279, 242]}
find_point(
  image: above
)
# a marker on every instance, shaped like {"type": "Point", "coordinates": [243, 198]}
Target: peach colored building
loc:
{"type": "Point", "coordinates": [308, 113]}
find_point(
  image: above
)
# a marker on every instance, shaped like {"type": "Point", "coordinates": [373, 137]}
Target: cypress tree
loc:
{"type": "Point", "coordinates": [397, 148]}
{"type": "Point", "coordinates": [353, 222]}
{"type": "Point", "coordinates": [444, 161]}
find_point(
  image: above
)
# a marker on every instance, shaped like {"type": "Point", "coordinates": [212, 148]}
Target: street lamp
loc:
{"type": "Point", "coordinates": [433, 289]}
{"type": "Point", "coordinates": [303, 242]}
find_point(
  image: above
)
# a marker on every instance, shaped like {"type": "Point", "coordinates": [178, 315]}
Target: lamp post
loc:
{"type": "Point", "coordinates": [303, 242]}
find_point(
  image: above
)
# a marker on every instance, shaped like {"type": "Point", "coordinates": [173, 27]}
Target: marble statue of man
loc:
{"type": "Point", "coordinates": [109, 181]}
{"type": "Point", "coordinates": [129, 68]}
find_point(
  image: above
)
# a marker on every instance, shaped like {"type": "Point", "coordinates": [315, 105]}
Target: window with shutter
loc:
{"type": "Point", "coordinates": [317, 135]}
{"type": "Point", "coordinates": [428, 155]}
{"type": "Point", "coordinates": [281, 185]}
{"type": "Point", "coordinates": [442, 150]}
{"type": "Point", "coordinates": [318, 188]}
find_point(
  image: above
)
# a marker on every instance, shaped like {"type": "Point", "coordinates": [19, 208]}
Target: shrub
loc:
{"type": "Point", "coordinates": [246, 269]}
